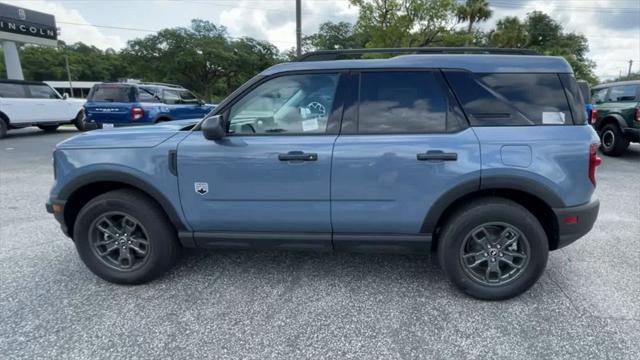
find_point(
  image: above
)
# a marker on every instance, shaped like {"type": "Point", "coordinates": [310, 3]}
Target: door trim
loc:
{"type": "Point", "coordinates": [351, 242]}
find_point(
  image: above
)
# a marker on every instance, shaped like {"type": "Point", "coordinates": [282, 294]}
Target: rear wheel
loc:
{"type": "Point", "coordinates": [49, 128]}
{"type": "Point", "coordinates": [124, 237]}
{"type": "Point", "coordinates": [493, 249]}
{"type": "Point", "coordinates": [80, 122]}
{"type": "Point", "coordinates": [3, 128]}
{"type": "Point", "coordinates": [612, 141]}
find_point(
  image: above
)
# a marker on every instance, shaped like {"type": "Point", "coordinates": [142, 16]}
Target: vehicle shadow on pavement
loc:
{"type": "Point", "coordinates": [23, 133]}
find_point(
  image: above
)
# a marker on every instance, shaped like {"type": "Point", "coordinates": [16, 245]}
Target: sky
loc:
{"type": "Point", "coordinates": [611, 26]}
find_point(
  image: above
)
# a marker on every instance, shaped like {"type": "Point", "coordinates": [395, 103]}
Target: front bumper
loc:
{"type": "Point", "coordinates": [632, 134]}
{"type": "Point", "coordinates": [575, 222]}
{"type": "Point", "coordinates": [56, 207]}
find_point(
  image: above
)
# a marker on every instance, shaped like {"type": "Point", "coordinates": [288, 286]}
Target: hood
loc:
{"type": "Point", "coordinates": [127, 137]}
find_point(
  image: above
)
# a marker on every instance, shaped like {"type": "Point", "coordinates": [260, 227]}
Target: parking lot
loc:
{"type": "Point", "coordinates": [258, 305]}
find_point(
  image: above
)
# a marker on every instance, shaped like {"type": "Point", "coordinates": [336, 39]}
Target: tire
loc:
{"type": "Point", "coordinates": [3, 128]}
{"type": "Point", "coordinates": [48, 128]}
{"type": "Point", "coordinates": [81, 124]}
{"type": "Point", "coordinates": [496, 216]}
{"type": "Point", "coordinates": [144, 262]}
{"type": "Point", "coordinates": [612, 141]}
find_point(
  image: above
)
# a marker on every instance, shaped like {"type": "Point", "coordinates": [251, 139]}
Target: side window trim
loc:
{"type": "Point", "coordinates": [335, 117]}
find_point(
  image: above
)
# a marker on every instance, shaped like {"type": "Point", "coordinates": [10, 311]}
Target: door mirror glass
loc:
{"type": "Point", "coordinates": [213, 128]}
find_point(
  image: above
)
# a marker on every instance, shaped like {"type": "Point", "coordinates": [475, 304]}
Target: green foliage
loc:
{"type": "Point", "coordinates": [510, 32]}
{"type": "Point", "coordinates": [331, 36]}
{"type": "Point", "coordinates": [407, 23]}
{"type": "Point", "coordinates": [472, 12]}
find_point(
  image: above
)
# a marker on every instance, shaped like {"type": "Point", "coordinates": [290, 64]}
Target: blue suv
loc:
{"type": "Point", "coordinates": [124, 104]}
{"type": "Point", "coordinates": [486, 159]}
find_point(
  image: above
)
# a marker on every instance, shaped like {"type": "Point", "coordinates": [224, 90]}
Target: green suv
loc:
{"type": "Point", "coordinates": [617, 106]}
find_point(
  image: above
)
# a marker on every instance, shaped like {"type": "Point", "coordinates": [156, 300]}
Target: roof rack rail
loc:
{"type": "Point", "coordinates": [325, 55]}
{"type": "Point", "coordinates": [162, 84]}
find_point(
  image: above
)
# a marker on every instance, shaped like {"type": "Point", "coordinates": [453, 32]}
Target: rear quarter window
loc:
{"type": "Point", "coordinates": [15, 91]}
{"type": "Point", "coordinates": [508, 99]}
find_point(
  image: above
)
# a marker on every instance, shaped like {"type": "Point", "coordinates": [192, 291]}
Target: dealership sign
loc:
{"type": "Point", "coordinates": [27, 26]}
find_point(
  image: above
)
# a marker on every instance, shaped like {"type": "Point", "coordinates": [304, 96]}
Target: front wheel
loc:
{"type": "Point", "coordinates": [493, 249]}
{"type": "Point", "coordinates": [124, 237]}
{"type": "Point", "coordinates": [49, 128]}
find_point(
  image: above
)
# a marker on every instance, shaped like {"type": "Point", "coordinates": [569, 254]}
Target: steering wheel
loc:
{"type": "Point", "coordinates": [317, 108]}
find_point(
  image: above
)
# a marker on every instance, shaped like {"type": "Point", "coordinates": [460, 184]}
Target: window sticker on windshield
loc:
{"type": "Point", "coordinates": [310, 125]}
{"type": "Point", "coordinates": [552, 117]}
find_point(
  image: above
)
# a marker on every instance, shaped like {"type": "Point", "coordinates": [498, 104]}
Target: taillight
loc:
{"type": "Point", "coordinates": [638, 114]}
{"type": "Point", "coordinates": [594, 162]}
{"type": "Point", "coordinates": [594, 116]}
{"type": "Point", "coordinates": [137, 113]}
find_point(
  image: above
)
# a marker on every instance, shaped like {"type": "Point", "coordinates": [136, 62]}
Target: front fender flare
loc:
{"type": "Point", "coordinates": [96, 176]}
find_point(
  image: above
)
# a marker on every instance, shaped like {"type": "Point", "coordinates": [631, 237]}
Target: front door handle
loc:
{"type": "Point", "coordinates": [298, 156]}
{"type": "Point", "coordinates": [437, 155]}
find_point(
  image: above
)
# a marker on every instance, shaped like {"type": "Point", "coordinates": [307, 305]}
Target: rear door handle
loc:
{"type": "Point", "coordinates": [298, 156]}
{"type": "Point", "coordinates": [437, 155]}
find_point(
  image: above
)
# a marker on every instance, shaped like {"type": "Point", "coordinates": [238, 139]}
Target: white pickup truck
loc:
{"type": "Point", "coordinates": [32, 103]}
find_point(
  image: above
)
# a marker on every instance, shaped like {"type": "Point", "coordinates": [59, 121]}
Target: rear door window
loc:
{"type": "Point", "coordinates": [401, 102]}
{"type": "Point", "coordinates": [623, 93]}
{"type": "Point", "coordinates": [599, 95]}
{"type": "Point", "coordinates": [507, 99]}
{"type": "Point", "coordinates": [16, 91]}
{"type": "Point", "coordinates": [42, 92]}
{"type": "Point", "coordinates": [146, 95]}
{"type": "Point", "coordinates": [171, 97]}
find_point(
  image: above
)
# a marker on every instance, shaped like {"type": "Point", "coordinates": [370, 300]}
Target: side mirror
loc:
{"type": "Point", "coordinates": [65, 96]}
{"type": "Point", "coordinates": [201, 102]}
{"type": "Point", "coordinates": [213, 128]}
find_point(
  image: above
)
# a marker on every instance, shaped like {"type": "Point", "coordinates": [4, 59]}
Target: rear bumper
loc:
{"type": "Point", "coordinates": [632, 134]}
{"type": "Point", "coordinates": [575, 222]}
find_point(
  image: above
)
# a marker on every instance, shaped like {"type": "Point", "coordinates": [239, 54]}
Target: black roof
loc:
{"type": "Point", "coordinates": [23, 82]}
{"type": "Point", "coordinates": [325, 55]}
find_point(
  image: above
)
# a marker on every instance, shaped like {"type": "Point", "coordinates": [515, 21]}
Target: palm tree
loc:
{"type": "Point", "coordinates": [473, 11]}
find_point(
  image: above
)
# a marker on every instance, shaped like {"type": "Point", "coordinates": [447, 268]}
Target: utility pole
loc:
{"type": "Point", "coordinates": [630, 63]}
{"type": "Point", "coordinates": [298, 28]}
{"type": "Point", "coordinates": [66, 61]}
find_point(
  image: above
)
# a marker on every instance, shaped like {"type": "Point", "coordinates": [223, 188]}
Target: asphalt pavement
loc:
{"type": "Point", "coordinates": [281, 305]}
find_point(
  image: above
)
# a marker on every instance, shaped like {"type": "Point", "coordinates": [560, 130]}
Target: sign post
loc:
{"type": "Point", "coordinates": [19, 25]}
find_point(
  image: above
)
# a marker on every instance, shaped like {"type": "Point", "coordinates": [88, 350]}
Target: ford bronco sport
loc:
{"type": "Point", "coordinates": [123, 104]}
{"type": "Point", "coordinates": [486, 159]}
{"type": "Point", "coordinates": [617, 117]}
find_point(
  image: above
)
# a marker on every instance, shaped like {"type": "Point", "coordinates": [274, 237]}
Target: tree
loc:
{"type": "Point", "coordinates": [407, 23]}
{"type": "Point", "coordinates": [547, 37]}
{"type": "Point", "coordinates": [510, 32]}
{"type": "Point", "coordinates": [473, 11]}
{"type": "Point", "coordinates": [201, 57]}
{"type": "Point", "coordinates": [331, 36]}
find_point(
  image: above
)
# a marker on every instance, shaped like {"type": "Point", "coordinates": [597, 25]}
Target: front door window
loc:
{"type": "Point", "coordinates": [292, 104]}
